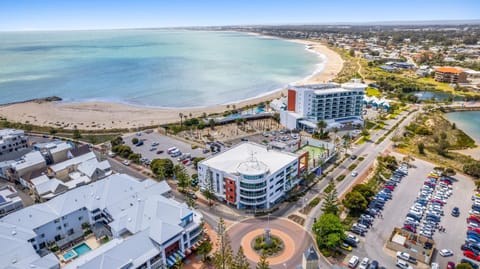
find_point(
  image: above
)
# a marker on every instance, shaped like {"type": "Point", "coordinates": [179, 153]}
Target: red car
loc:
{"type": "Point", "coordinates": [448, 182]}
{"type": "Point", "coordinates": [471, 255]}
{"type": "Point", "coordinates": [437, 201]}
{"type": "Point", "coordinates": [476, 230]}
{"type": "Point", "coordinates": [390, 187]}
{"type": "Point", "coordinates": [473, 218]}
{"type": "Point", "coordinates": [450, 265]}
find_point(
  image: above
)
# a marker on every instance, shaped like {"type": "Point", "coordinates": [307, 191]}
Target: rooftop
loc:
{"type": "Point", "coordinates": [237, 157]}
{"type": "Point", "coordinates": [74, 161]}
{"type": "Point", "coordinates": [29, 159]}
{"type": "Point", "coordinates": [448, 70]}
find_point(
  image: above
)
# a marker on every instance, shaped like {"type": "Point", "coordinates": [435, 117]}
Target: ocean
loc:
{"type": "Point", "coordinates": [467, 121]}
{"type": "Point", "coordinates": [148, 67]}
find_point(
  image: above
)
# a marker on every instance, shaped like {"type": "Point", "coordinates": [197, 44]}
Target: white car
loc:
{"type": "Point", "coordinates": [353, 237]}
{"type": "Point", "coordinates": [126, 163]}
{"type": "Point", "coordinates": [352, 263]}
{"type": "Point", "coordinates": [354, 173]}
{"type": "Point", "coordinates": [446, 252]}
{"type": "Point", "coordinates": [403, 264]}
{"type": "Point", "coordinates": [364, 264]}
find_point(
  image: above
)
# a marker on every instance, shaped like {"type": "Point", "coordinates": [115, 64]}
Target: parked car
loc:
{"type": "Point", "coordinates": [403, 264]}
{"type": "Point", "coordinates": [472, 264]}
{"type": "Point", "coordinates": [445, 252]}
{"type": "Point", "coordinates": [405, 256]}
{"type": "Point", "coordinates": [126, 163]}
{"type": "Point", "coordinates": [450, 265]}
{"type": "Point", "coordinates": [472, 255]}
{"type": "Point", "coordinates": [345, 246]}
{"type": "Point", "coordinates": [364, 264]}
{"type": "Point", "coordinates": [353, 262]}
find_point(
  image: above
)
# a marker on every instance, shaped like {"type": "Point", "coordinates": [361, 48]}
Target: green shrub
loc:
{"type": "Point", "coordinates": [340, 178]}
{"type": "Point", "coordinates": [352, 166]}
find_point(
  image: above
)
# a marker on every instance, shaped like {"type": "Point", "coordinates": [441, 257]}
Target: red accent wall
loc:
{"type": "Point", "coordinates": [230, 191]}
{"type": "Point", "coordinates": [292, 99]}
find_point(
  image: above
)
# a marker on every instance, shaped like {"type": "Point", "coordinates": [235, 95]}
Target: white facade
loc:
{"type": "Point", "coordinates": [250, 175]}
{"type": "Point", "coordinates": [12, 140]}
{"type": "Point", "coordinates": [9, 200]}
{"type": "Point", "coordinates": [331, 102]}
{"type": "Point", "coordinates": [148, 228]}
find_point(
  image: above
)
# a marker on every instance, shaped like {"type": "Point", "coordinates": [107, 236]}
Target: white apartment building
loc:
{"type": "Point", "coordinates": [334, 103]}
{"type": "Point", "coordinates": [250, 175]}
{"type": "Point", "coordinates": [9, 200]}
{"type": "Point", "coordinates": [12, 140]}
{"type": "Point", "coordinates": [147, 229]}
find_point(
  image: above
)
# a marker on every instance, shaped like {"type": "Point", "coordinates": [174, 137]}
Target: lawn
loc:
{"type": "Point", "coordinates": [438, 85]}
{"type": "Point", "coordinates": [373, 92]}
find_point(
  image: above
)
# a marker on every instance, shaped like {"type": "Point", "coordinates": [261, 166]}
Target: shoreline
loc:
{"type": "Point", "coordinates": [109, 115]}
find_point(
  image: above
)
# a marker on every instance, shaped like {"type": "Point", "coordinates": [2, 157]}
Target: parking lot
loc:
{"type": "Point", "coordinates": [164, 143]}
{"type": "Point", "coordinates": [395, 210]}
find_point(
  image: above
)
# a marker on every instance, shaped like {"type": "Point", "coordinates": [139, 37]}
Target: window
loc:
{"type": "Point", "coordinates": [56, 221]}
{"type": "Point", "coordinates": [42, 235]}
{"type": "Point", "coordinates": [70, 232]}
{"type": "Point", "coordinates": [58, 237]}
{"type": "Point", "coordinates": [80, 218]}
{"type": "Point", "coordinates": [59, 227]}
{"type": "Point", "coordinates": [65, 225]}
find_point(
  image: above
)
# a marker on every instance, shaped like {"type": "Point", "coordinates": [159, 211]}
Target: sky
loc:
{"type": "Point", "coordinates": [108, 14]}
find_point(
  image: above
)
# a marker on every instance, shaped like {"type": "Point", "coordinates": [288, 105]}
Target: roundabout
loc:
{"type": "Point", "coordinates": [291, 240]}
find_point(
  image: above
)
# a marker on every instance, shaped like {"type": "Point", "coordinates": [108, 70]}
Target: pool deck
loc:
{"type": "Point", "coordinates": [91, 241]}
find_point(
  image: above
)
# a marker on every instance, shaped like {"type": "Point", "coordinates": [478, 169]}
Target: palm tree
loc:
{"type": "Point", "coordinates": [321, 124]}
{"type": "Point", "coordinates": [181, 117]}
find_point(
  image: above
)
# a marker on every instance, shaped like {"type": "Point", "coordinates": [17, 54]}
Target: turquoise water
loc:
{"type": "Point", "coordinates": [69, 255]}
{"type": "Point", "coordinates": [437, 96]}
{"type": "Point", "coordinates": [148, 67]}
{"type": "Point", "coordinates": [82, 249]}
{"type": "Point", "coordinates": [468, 121]}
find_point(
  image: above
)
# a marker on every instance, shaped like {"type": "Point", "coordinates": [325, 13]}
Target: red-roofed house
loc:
{"type": "Point", "coordinates": [450, 75]}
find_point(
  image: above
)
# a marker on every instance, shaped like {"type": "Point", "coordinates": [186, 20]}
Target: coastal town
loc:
{"type": "Point", "coordinates": [373, 161]}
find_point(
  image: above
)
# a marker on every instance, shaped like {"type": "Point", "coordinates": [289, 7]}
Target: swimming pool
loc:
{"type": "Point", "coordinates": [81, 249]}
{"type": "Point", "coordinates": [69, 255]}
{"type": "Point", "coordinates": [76, 251]}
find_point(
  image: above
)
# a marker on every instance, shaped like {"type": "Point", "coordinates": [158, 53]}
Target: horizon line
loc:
{"type": "Point", "coordinates": [449, 22]}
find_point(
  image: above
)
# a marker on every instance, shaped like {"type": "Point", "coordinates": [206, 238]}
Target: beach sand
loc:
{"type": "Point", "coordinates": [101, 115]}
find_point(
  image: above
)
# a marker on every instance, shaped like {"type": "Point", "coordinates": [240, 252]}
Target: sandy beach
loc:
{"type": "Point", "coordinates": [100, 115]}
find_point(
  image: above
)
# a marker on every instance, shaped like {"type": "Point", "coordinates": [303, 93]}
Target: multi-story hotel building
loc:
{"type": "Point", "coordinates": [334, 103]}
{"type": "Point", "coordinates": [250, 175]}
{"type": "Point", "coordinates": [146, 229]}
{"type": "Point", "coordinates": [12, 140]}
{"type": "Point", "coordinates": [450, 75]}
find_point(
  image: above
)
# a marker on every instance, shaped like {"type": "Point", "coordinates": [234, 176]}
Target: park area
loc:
{"type": "Point", "coordinates": [316, 155]}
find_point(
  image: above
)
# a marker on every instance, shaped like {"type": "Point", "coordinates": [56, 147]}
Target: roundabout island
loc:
{"type": "Point", "coordinates": [281, 240]}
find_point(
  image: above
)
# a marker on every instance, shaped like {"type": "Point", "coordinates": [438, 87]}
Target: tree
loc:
{"type": "Point", "coordinates": [355, 202]}
{"type": "Point", "coordinates": [209, 195]}
{"type": "Point", "coordinates": [263, 263]}
{"type": "Point", "coordinates": [472, 169]}
{"type": "Point", "coordinates": [365, 132]}
{"type": "Point", "coordinates": [421, 148]}
{"type": "Point", "coordinates": [181, 118]}
{"type": "Point", "coordinates": [454, 126]}
{"type": "Point", "coordinates": [223, 257]}
{"type": "Point", "coordinates": [182, 177]}
{"type": "Point", "coordinates": [52, 131]}
{"type": "Point", "coordinates": [204, 248]}
{"type": "Point", "coordinates": [135, 157]}
{"type": "Point", "coordinates": [321, 124]}
{"type": "Point", "coordinates": [162, 167]}
{"type": "Point", "coordinates": [240, 261]}
{"type": "Point", "coordinates": [329, 231]}
{"type": "Point", "coordinates": [351, 52]}
{"type": "Point", "coordinates": [211, 123]}
{"type": "Point", "coordinates": [116, 141]}
{"type": "Point", "coordinates": [365, 190]}
{"type": "Point", "coordinates": [330, 205]}
{"type": "Point", "coordinates": [463, 266]}
{"type": "Point", "coordinates": [134, 140]}
{"type": "Point", "coordinates": [76, 134]}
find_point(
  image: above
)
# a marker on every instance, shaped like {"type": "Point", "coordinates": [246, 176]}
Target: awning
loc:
{"type": "Point", "coordinates": [308, 124]}
{"type": "Point", "coordinates": [169, 262]}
